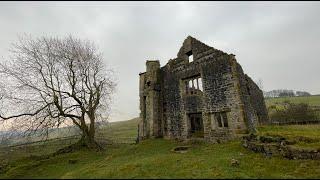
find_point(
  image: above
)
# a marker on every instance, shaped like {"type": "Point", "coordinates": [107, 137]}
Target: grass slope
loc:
{"type": "Point", "coordinates": [121, 129]}
{"type": "Point", "coordinates": [311, 100]}
{"type": "Point", "coordinates": [306, 136]}
{"type": "Point", "coordinates": [154, 159]}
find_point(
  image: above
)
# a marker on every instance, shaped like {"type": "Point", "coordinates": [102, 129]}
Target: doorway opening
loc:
{"type": "Point", "coordinates": [196, 125]}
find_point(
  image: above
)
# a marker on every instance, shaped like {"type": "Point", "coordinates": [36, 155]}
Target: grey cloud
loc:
{"type": "Point", "coordinates": [274, 41]}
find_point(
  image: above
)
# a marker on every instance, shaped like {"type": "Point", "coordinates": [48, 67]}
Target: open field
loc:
{"type": "Point", "coordinates": [41, 148]}
{"type": "Point", "coordinates": [306, 136]}
{"type": "Point", "coordinates": [154, 159]}
{"type": "Point", "coordinates": [121, 129]}
{"type": "Point", "coordinates": [311, 100]}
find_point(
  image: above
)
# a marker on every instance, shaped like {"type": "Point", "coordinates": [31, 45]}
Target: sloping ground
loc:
{"type": "Point", "coordinates": [304, 135]}
{"type": "Point", "coordinates": [311, 100]}
{"type": "Point", "coordinates": [120, 132]}
{"type": "Point", "coordinates": [121, 129]}
{"type": "Point", "coordinates": [292, 131]}
{"type": "Point", "coordinates": [14, 138]}
{"type": "Point", "coordinates": [154, 159]}
{"type": "Point", "coordinates": [37, 149]}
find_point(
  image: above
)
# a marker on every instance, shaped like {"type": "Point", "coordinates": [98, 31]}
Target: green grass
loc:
{"type": "Point", "coordinates": [298, 133]}
{"type": "Point", "coordinates": [154, 159]}
{"type": "Point", "coordinates": [121, 129]}
{"type": "Point", "coordinates": [292, 131]}
{"type": "Point", "coordinates": [18, 152]}
{"type": "Point", "coordinates": [311, 100]}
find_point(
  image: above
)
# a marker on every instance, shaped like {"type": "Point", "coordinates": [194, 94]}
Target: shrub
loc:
{"type": "Point", "coordinates": [291, 113]}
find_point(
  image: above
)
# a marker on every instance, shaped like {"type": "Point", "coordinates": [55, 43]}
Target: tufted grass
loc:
{"type": "Point", "coordinates": [305, 135]}
{"type": "Point", "coordinates": [292, 131]}
{"type": "Point", "coordinates": [154, 159]}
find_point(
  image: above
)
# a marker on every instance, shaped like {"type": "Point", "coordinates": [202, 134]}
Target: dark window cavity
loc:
{"type": "Point", "coordinates": [222, 119]}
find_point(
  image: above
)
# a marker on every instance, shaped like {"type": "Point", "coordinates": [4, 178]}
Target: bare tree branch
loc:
{"type": "Point", "coordinates": [52, 80]}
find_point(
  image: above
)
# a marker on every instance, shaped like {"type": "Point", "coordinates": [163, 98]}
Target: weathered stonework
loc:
{"type": "Point", "coordinates": [209, 98]}
{"type": "Point", "coordinates": [278, 146]}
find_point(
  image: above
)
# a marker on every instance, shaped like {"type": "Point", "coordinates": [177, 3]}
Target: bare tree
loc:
{"type": "Point", "coordinates": [260, 83]}
{"type": "Point", "coordinates": [303, 93]}
{"type": "Point", "coordinates": [51, 81]}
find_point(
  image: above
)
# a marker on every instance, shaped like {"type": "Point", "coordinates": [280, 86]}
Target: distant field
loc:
{"type": "Point", "coordinates": [121, 129]}
{"type": "Point", "coordinates": [154, 159]}
{"type": "Point", "coordinates": [311, 100]}
{"type": "Point", "coordinates": [42, 148]}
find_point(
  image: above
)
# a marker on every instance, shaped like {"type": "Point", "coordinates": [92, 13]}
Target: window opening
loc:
{"type": "Point", "coordinates": [222, 119]}
{"type": "Point", "coordinates": [194, 85]}
{"type": "Point", "coordinates": [190, 56]}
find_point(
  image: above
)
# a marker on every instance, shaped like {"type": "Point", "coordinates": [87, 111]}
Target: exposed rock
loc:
{"type": "Point", "coordinates": [278, 146]}
{"type": "Point", "coordinates": [234, 162]}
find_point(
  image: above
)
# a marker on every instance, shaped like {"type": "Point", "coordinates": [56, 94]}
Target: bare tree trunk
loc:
{"type": "Point", "coordinates": [88, 140]}
{"type": "Point", "coordinates": [54, 81]}
{"type": "Point", "coordinates": [88, 135]}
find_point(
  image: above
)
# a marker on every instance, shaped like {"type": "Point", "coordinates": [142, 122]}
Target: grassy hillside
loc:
{"type": "Point", "coordinates": [121, 129]}
{"type": "Point", "coordinates": [311, 100]}
{"type": "Point", "coordinates": [307, 136]}
{"type": "Point", "coordinates": [17, 137]}
{"type": "Point", "coordinates": [279, 103]}
{"type": "Point", "coordinates": [154, 159]}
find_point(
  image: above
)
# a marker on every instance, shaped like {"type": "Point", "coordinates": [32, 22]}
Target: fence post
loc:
{"type": "Point", "coordinates": [137, 140]}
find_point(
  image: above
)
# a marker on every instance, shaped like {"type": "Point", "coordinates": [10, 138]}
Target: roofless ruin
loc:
{"type": "Point", "coordinates": [203, 93]}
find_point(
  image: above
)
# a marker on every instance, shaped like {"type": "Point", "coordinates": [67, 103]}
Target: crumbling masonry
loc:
{"type": "Point", "coordinates": [207, 96]}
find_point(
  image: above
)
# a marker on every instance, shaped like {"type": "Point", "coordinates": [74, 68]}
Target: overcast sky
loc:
{"type": "Point", "coordinates": [278, 42]}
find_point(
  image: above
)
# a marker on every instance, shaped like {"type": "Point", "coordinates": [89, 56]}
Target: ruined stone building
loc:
{"type": "Point", "coordinates": [203, 93]}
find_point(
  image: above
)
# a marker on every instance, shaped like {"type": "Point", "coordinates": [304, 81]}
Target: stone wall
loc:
{"type": "Point", "coordinates": [249, 112]}
{"type": "Point", "coordinates": [165, 104]}
{"type": "Point", "coordinates": [278, 146]}
{"type": "Point", "coordinates": [150, 100]}
{"type": "Point", "coordinates": [257, 101]}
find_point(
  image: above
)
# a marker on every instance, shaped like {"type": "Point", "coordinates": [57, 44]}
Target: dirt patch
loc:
{"type": "Point", "coordinates": [180, 149]}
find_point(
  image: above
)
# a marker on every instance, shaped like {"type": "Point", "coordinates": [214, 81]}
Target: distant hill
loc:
{"type": "Point", "coordinates": [120, 129]}
{"type": "Point", "coordinates": [285, 92]}
{"type": "Point", "coordinates": [313, 100]}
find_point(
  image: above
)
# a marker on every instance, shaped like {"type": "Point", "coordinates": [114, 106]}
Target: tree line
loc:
{"type": "Point", "coordinates": [285, 93]}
